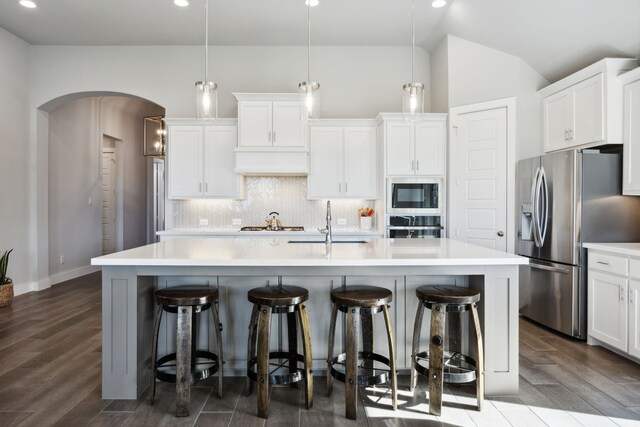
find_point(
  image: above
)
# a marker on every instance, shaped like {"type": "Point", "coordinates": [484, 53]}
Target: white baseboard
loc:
{"type": "Point", "coordinates": [24, 288]}
{"type": "Point", "coordinates": [72, 274]}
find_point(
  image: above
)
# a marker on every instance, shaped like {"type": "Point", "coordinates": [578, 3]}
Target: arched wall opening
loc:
{"type": "Point", "coordinates": [69, 220]}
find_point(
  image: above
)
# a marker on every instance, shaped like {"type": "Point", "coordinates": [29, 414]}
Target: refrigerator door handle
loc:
{"type": "Point", "coordinates": [534, 210]}
{"type": "Point", "coordinates": [545, 203]}
{"type": "Point", "coordinates": [550, 268]}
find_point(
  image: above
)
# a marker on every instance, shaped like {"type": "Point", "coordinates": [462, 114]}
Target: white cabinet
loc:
{"type": "Point", "coordinates": [343, 161]}
{"type": "Point", "coordinates": [414, 147]}
{"type": "Point", "coordinates": [631, 133]}
{"type": "Point", "coordinates": [201, 160]}
{"type": "Point", "coordinates": [274, 121]}
{"type": "Point", "coordinates": [613, 311]}
{"type": "Point", "coordinates": [584, 109]}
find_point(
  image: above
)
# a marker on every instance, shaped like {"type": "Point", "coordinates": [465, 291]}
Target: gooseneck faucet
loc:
{"type": "Point", "coordinates": [327, 231]}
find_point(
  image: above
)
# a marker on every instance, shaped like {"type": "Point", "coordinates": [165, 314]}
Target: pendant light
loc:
{"type": "Point", "coordinates": [206, 91]}
{"type": "Point", "coordinates": [309, 89]}
{"type": "Point", "coordinates": [413, 97]}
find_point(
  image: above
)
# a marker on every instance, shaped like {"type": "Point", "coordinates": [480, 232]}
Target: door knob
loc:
{"type": "Point", "coordinates": [500, 233]}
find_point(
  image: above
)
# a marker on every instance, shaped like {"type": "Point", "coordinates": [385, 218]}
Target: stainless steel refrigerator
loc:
{"type": "Point", "coordinates": [565, 199]}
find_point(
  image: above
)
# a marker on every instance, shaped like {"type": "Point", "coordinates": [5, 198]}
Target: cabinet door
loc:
{"type": "Point", "coordinates": [220, 179]}
{"type": "Point", "coordinates": [631, 158]}
{"type": "Point", "coordinates": [588, 118]}
{"type": "Point", "coordinates": [360, 162]}
{"type": "Point", "coordinates": [184, 153]}
{"type": "Point", "coordinates": [634, 318]}
{"type": "Point", "coordinates": [325, 163]}
{"type": "Point", "coordinates": [607, 309]}
{"type": "Point", "coordinates": [556, 111]}
{"type": "Point", "coordinates": [430, 148]}
{"type": "Point", "coordinates": [399, 148]}
{"type": "Point", "coordinates": [254, 119]}
{"type": "Point", "coordinates": [288, 124]}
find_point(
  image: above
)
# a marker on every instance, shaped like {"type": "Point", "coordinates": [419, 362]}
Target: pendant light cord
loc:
{"type": "Point", "coordinates": [413, 37]}
{"type": "Point", "coordinates": [206, 39]}
{"type": "Point", "coordinates": [309, 42]}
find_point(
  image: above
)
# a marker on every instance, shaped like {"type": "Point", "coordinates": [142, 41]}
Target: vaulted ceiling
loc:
{"type": "Point", "coordinates": [556, 37]}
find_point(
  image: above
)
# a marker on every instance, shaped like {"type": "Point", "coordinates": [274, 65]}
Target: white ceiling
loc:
{"type": "Point", "coordinates": [556, 37]}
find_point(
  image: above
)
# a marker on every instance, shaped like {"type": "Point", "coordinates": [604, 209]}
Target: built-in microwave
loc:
{"type": "Point", "coordinates": [414, 196]}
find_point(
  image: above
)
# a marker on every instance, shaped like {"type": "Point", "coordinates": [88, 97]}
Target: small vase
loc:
{"type": "Point", "coordinates": [6, 293]}
{"type": "Point", "coordinates": [366, 222]}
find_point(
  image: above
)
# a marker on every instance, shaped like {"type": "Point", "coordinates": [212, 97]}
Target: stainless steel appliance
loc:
{"type": "Point", "coordinates": [565, 199]}
{"type": "Point", "coordinates": [158, 208]}
{"type": "Point", "coordinates": [414, 227]}
{"type": "Point", "coordinates": [414, 196]}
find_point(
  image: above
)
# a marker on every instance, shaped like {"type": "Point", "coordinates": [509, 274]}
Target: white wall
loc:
{"type": "Point", "coordinates": [355, 81]}
{"type": "Point", "coordinates": [15, 164]}
{"type": "Point", "coordinates": [440, 77]}
{"type": "Point", "coordinates": [75, 137]}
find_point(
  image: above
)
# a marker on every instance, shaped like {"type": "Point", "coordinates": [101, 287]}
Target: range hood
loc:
{"type": "Point", "coordinates": [272, 163]}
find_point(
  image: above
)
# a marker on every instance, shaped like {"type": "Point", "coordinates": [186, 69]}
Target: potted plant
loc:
{"type": "Point", "coordinates": [6, 285]}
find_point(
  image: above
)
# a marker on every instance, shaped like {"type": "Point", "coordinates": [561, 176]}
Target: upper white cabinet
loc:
{"type": "Point", "coordinates": [343, 159]}
{"type": "Point", "coordinates": [584, 109]}
{"type": "Point", "coordinates": [274, 121]}
{"type": "Point", "coordinates": [631, 133]}
{"type": "Point", "coordinates": [201, 158]}
{"type": "Point", "coordinates": [414, 147]}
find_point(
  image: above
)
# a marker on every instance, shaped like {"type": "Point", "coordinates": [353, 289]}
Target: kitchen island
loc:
{"type": "Point", "coordinates": [237, 264]}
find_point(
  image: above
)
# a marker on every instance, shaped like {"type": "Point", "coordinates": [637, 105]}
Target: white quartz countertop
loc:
{"type": "Point", "coordinates": [231, 232]}
{"type": "Point", "coordinates": [632, 249]}
{"type": "Point", "coordinates": [277, 252]}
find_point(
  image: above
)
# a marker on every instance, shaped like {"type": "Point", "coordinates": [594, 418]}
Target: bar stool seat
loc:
{"type": "Point", "coordinates": [442, 366]}
{"type": "Point", "coordinates": [186, 301]}
{"type": "Point", "coordinates": [359, 302]}
{"type": "Point", "coordinates": [281, 367]}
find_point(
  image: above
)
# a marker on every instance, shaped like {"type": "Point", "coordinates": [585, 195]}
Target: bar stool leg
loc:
{"type": "Point", "coordinates": [183, 361]}
{"type": "Point", "coordinates": [251, 344]}
{"type": "Point", "coordinates": [415, 347]}
{"type": "Point", "coordinates": [366, 320]}
{"type": "Point", "coordinates": [351, 368]}
{"type": "Point", "coordinates": [218, 326]}
{"type": "Point", "coordinates": [332, 335]}
{"type": "Point", "coordinates": [392, 358]}
{"type": "Point", "coordinates": [436, 358]}
{"type": "Point", "coordinates": [154, 350]}
{"type": "Point", "coordinates": [479, 357]}
{"type": "Point", "coordinates": [292, 334]}
{"type": "Point", "coordinates": [308, 360]}
{"type": "Point", "coordinates": [264, 330]}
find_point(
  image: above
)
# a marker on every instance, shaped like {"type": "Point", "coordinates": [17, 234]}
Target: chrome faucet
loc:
{"type": "Point", "coordinates": [327, 231]}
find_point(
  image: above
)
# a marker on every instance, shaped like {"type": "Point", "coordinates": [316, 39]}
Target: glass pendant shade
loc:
{"type": "Point", "coordinates": [413, 98]}
{"type": "Point", "coordinates": [206, 100]}
{"type": "Point", "coordinates": [309, 92]}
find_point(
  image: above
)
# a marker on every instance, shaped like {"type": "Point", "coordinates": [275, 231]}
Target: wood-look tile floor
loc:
{"type": "Point", "coordinates": [50, 376]}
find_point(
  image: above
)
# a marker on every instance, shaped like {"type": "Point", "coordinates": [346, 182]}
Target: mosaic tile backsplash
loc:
{"type": "Point", "coordinates": [285, 195]}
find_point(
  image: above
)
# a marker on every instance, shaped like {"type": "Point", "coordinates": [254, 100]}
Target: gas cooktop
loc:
{"type": "Point", "coordinates": [254, 228]}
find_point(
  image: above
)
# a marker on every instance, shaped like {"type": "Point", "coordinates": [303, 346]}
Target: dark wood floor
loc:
{"type": "Point", "coordinates": [50, 375]}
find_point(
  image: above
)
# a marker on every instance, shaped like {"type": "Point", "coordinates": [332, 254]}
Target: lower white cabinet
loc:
{"type": "Point", "coordinates": [343, 162]}
{"type": "Point", "coordinates": [613, 300]}
{"type": "Point", "coordinates": [201, 161]}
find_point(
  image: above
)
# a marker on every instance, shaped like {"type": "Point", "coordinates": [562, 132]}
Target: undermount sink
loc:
{"type": "Point", "coordinates": [322, 241]}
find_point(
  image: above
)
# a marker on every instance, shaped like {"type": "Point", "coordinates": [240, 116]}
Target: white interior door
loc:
{"type": "Point", "coordinates": [108, 200]}
{"type": "Point", "coordinates": [478, 197]}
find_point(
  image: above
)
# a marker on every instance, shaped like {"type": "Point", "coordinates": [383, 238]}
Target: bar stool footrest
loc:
{"type": "Point", "coordinates": [458, 368]}
{"type": "Point", "coordinates": [363, 380]}
{"type": "Point", "coordinates": [279, 379]}
{"type": "Point", "coordinates": [196, 375]}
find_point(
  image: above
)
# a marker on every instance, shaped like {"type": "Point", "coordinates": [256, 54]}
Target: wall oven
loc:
{"type": "Point", "coordinates": [414, 226]}
{"type": "Point", "coordinates": [414, 196]}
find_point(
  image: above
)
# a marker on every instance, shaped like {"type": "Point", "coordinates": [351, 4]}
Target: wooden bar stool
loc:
{"type": "Point", "coordinates": [437, 364]}
{"type": "Point", "coordinates": [359, 303]}
{"type": "Point", "coordinates": [278, 367]}
{"type": "Point", "coordinates": [183, 366]}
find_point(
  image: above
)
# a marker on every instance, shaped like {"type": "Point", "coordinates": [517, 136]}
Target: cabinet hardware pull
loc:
{"type": "Point", "coordinates": [200, 187]}
{"type": "Point", "coordinates": [417, 165]}
{"type": "Point", "coordinates": [630, 296]}
{"type": "Point", "coordinates": [621, 295]}
{"type": "Point", "coordinates": [413, 165]}
{"type": "Point", "coordinates": [566, 134]}
{"type": "Point", "coordinates": [346, 188]}
{"type": "Point", "coordinates": [206, 187]}
{"type": "Point", "coordinates": [602, 262]}
{"type": "Point", "coordinates": [571, 134]}
{"type": "Point", "coordinates": [274, 136]}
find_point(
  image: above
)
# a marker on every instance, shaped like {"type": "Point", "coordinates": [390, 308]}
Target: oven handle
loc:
{"type": "Point", "coordinates": [427, 227]}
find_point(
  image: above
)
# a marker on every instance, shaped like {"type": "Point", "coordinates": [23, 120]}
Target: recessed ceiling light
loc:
{"type": "Point", "coordinates": [311, 2]}
{"type": "Point", "coordinates": [28, 3]}
{"type": "Point", "coordinates": [438, 3]}
{"type": "Point", "coordinates": [181, 3]}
